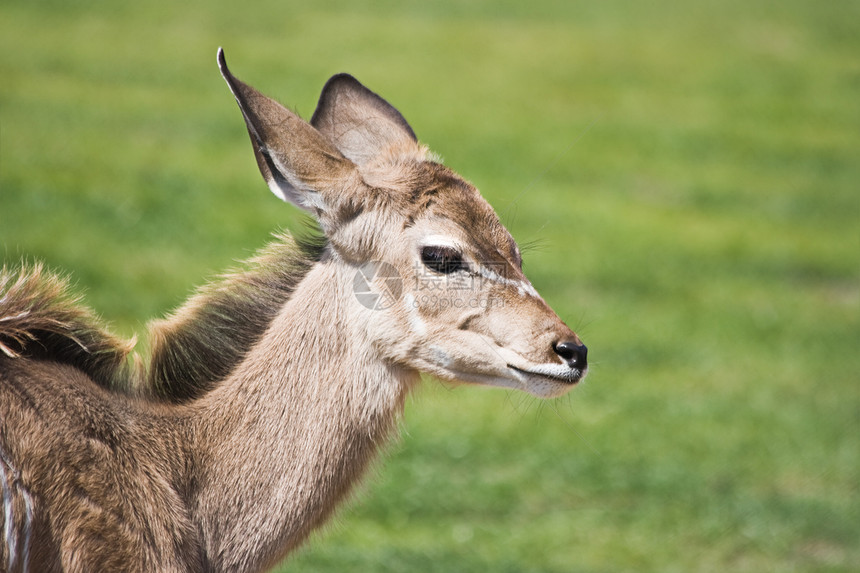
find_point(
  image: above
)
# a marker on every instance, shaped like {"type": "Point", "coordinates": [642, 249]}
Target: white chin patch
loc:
{"type": "Point", "coordinates": [549, 380]}
{"type": "Point", "coordinates": [534, 384]}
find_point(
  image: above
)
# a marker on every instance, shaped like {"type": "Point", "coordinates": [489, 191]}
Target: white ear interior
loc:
{"type": "Point", "coordinates": [280, 192]}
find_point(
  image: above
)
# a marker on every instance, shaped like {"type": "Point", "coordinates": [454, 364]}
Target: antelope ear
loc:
{"type": "Point", "coordinates": [361, 124]}
{"type": "Point", "coordinates": [298, 163]}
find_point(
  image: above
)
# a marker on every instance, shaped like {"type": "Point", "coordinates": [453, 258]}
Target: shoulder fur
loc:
{"type": "Point", "coordinates": [206, 338]}
{"type": "Point", "coordinates": [39, 318]}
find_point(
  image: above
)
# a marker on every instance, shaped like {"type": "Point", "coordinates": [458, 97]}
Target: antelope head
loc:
{"type": "Point", "coordinates": [436, 278]}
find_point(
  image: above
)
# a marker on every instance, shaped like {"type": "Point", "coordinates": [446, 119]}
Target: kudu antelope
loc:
{"type": "Point", "coordinates": [268, 395]}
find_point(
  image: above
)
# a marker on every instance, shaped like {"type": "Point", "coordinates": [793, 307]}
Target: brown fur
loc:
{"type": "Point", "coordinates": [267, 397]}
{"type": "Point", "coordinates": [39, 318]}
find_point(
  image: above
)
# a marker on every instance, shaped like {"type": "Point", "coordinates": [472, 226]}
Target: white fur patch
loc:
{"type": "Point", "coordinates": [278, 191]}
{"type": "Point", "coordinates": [10, 534]}
{"type": "Point", "coordinates": [416, 323]}
{"type": "Point", "coordinates": [296, 191]}
{"type": "Point", "coordinates": [440, 241]}
{"type": "Point", "coordinates": [553, 371]}
{"type": "Point", "coordinates": [28, 526]}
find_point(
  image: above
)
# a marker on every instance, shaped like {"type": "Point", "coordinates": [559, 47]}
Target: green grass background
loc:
{"type": "Point", "coordinates": [686, 176]}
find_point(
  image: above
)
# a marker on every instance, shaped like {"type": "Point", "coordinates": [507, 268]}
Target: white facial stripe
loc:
{"type": "Point", "coordinates": [440, 241]}
{"type": "Point", "coordinates": [523, 287]}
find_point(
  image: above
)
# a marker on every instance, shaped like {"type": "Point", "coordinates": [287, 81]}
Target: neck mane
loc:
{"type": "Point", "coordinates": [191, 351]}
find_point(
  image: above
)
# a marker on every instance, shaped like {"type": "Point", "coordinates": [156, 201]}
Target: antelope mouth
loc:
{"type": "Point", "coordinates": [554, 372]}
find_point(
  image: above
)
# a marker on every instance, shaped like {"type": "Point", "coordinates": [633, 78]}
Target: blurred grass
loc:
{"type": "Point", "coordinates": [686, 175]}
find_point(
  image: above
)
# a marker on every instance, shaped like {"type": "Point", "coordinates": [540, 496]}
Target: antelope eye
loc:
{"type": "Point", "coordinates": [445, 260]}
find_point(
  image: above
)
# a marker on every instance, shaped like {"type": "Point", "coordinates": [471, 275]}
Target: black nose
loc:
{"type": "Point", "coordinates": [576, 355]}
